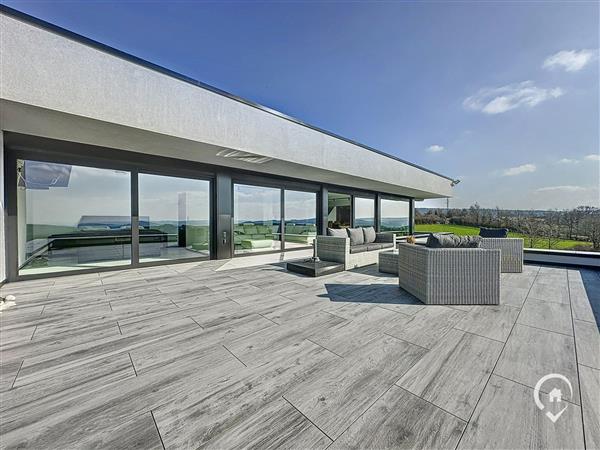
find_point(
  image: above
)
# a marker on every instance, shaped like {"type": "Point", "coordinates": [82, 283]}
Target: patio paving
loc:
{"type": "Point", "coordinates": [220, 355]}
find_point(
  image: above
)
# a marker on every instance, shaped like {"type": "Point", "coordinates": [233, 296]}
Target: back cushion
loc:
{"type": "Point", "coordinates": [452, 241]}
{"type": "Point", "coordinates": [493, 232]}
{"type": "Point", "coordinates": [370, 235]}
{"type": "Point", "coordinates": [337, 233]}
{"type": "Point", "coordinates": [356, 236]}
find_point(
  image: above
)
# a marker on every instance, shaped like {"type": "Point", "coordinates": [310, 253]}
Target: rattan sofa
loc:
{"type": "Point", "coordinates": [512, 252]}
{"type": "Point", "coordinates": [338, 249]}
{"type": "Point", "coordinates": [450, 276]}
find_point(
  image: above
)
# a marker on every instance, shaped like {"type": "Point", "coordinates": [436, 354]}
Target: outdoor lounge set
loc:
{"type": "Point", "coordinates": [447, 269]}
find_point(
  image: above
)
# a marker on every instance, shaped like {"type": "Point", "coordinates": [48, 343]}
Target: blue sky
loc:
{"type": "Point", "coordinates": [504, 96]}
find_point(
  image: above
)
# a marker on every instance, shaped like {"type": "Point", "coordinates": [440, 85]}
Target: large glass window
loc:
{"type": "Point", "coordinates": [364, 212]}
{"type": "Point", "coordinates": [300, 218]}
{"type": "Point", "coordinates": [257, 219]}
{"type": "Point", "coordinates": [339, 210]}
{"type": "Point", "coordinates": [174, 218]}
{"type": "Point", "coordinates": [395, 216]}
{"type": "Point", "coordinates": [71, 217]}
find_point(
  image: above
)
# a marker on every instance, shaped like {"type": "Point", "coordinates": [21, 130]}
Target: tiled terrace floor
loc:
{"type": "Point", "coordinates": [194, 355]}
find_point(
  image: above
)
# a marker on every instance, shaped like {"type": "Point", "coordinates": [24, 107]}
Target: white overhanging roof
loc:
{"type": "Point", "coordinates": [60, 85]}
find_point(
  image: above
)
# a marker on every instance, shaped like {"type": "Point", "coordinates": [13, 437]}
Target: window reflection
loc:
{"type": "Point", "coordinates": [174, 218]}
{"type": "Point", "coordinates": [395, 216]}
{"type": "Point", "coordinates": [257, 219]}
{"type": "Point", "coordinates": [364, 212]}
{"type": "Point", "coordinates": [300, 218]}
{"type": "Point", "coordinates": [71, 217]}
{"type": "Point", "coordinates": [339, 210]}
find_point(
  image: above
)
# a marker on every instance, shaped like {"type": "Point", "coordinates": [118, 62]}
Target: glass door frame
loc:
{"type": "Point", "coordinates": [74, 154]}
{"type": "Point", "coordinates": [282, 185]}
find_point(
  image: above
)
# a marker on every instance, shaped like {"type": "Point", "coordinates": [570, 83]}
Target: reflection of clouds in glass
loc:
{"type": "Point", "coordinates": [91, 191]}
{"type": "Point", "coordinates": [364, 208]}
{"type": "Point", "coordinates": [159, 198]}
{"type": "Point", "coordinates": [300, 205]}
{"type": "Point", "coordinates": [394, 208]}
{"type": "Point", "coordinates": [256, 203]}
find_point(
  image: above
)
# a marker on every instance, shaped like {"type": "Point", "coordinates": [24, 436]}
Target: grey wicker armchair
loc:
{"type": "Point", "coordinates": [450, 276]}
{"type": "Point", "coordinates": [512, 252]}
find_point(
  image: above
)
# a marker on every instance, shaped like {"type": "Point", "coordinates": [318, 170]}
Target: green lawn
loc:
{"type": "Point", "coordinates": [463, 230]}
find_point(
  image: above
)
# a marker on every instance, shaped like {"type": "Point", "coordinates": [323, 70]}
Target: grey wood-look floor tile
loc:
{"type": "Point", "coordinates": [427, 326]}
{"type": "Point", "coordinates": [66, 422]}
{"type": "Point", "coordinates": [137, 433]}
{"type": "Point", "coordinates": [275, 425]}
{"type": "Point", "coordinates": [587, 339]}
{"type": "Point", "coordinates": [513, 296]}
{"type": "Point", "coordinates": [547, 315]}
{"type": "Point", "coordinates": [216, 414]}
{"type": "Point", "coordinates": [507, 418]}
{"type": "Point", "coordinates": [347, 336]}
{"type": "Point", "coordinates": [258, 348]}
{"type": "Point", "coordinates": [493, 321]}
{"type": "Point", "coordinates": [400, 420]}
{"type": "Point", "coordinates": [177, 346]}
{"type": "Point", "coordinates": [295, 310]}
{"type": "Point", "coordinates": [452, 374]}
{"type": "Point", "coordinates": [8, 373]}
{"type": "Point", "coordinates": [338, 394]}
{"type": "Point", "coordinates": [590, 401]}
{"type": "Point", "coordinates": [29, 389]}
{"type": "Point", "coordinates": [531, 353]}
{"type": "Point", "coordinates": [555, 293]}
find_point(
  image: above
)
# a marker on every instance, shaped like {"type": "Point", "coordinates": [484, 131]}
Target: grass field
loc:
{"type": "Point", "coordinates": [463, 230]}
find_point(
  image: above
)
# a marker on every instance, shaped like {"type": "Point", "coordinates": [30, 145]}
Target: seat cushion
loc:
{"type": "Point", "coordinates": [356, 235]}
{"type": "Point", "coordinates": [386, 245]}
{"type": "Point", "coordinates": [337, 232]}
{"type": "Point", "coordinates": [493, 232]}
{"type": "Point", "coordinates": [436, 240]}
{"type": "Point", "coordinates": [370, 234]}
{"type": "Point", "coordinates": [372, 246]}
{"type": "Point", "coordinates": [359, 248]}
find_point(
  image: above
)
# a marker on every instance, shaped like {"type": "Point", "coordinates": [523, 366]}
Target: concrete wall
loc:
{"type": "Point", "coordinates": [49, 71]}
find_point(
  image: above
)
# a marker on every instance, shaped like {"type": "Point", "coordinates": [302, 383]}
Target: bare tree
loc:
{"type": "Point", "coordinates": [590, 226]}
{"type": "Point", "coordinates": [533, 230]}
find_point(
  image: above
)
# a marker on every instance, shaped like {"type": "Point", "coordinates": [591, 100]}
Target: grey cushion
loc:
{"type": "Point", "coordinates": [337, 233]}
{"type": "Point", "coordinates": [493, 232]}
{"type": "Point", "coordinates": [385, 238]}
{"type": "Point", "coordinates": [370, 235]}
{"type": "Point", "coordinates": [356, 236]}
{"type": "Point", "coordinates": [359, 248]}
{"type": "Point", "coordinates": [372, 246]}
{"type": "Point", "coordinates": [387, 245]}
{"type": "Point", "coordinates": [452, 241]}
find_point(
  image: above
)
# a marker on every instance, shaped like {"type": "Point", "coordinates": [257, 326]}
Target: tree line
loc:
{"type": "Point", "coordinates": [540, 228]}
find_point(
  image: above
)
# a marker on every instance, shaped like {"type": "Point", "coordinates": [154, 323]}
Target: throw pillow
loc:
{"type": "Point", "coordinates": [370, 235]}
{"type": "Point", "coordinates": [336, 232]}
{"type": "Point", "coordinates": [356, 236]}
{"type": "Point", "coordinates": [493, 232]}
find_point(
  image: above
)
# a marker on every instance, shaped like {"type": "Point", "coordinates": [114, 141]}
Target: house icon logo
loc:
{"type": "Point", "coordinates": [555, 396]}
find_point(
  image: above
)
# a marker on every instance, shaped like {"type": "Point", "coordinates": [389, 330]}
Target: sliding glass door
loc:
{"type": "Point", "coordinates": [174, 218]}
{"type": "Point", "coordinates": [300, 218]}
{"type": "Point", "coordinates": [257, 219]}
{"type": "Point", "coordinates": [71, 217]}
{"type": "Point", "coordinates": [395, 216]}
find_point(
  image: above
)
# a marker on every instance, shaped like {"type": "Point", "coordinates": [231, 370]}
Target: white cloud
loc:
{"type": "Point", "coordinates": [570, 60]}
{"type": "Point", "coordinates": [501, 99]}
{"type": "Point", "coordinates": [524, 168]}
{"type": "Point", "coordinates": [435, 148]}
{"type": "Point", "coordinates": [562, 189]}
{"type": "Point", "coordinates": [567, 161]}
{"type": "Point", "coordinates": [593, 157]}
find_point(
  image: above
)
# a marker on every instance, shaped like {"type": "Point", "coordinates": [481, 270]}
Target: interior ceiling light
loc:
{"type": "Point", "coordinates": [244, 156]}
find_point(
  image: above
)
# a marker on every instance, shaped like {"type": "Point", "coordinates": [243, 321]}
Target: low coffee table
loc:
{"type": "Point", "coordinates": [315, 269]}
{"type": "Point", "coordinates": [388, 261]}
